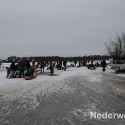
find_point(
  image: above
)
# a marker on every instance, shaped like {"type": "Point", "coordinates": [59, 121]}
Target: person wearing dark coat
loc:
{"type": "Point", "coordinates": [75, 62]}
{"type": "Point", "coordinates": [51, 68]}
{"type": "Point", "coordinates": [12, 66]}
{"type": "Point", "coordinates": [42, 66]}
{"type": "Point", "coordinates": [64, 64]}
{"type": "Point", "coordinates": [103, 65]}
{"type": "Point", "coordinates": [29, 70]}
{"type": "Point", "coordinates": [60, 65]}
{"type": "Point", "coordinates": [28, 66]}
{"type": "Point", "coordinates": [21, 66]}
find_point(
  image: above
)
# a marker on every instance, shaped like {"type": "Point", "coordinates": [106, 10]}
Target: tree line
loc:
{"type": "Point", "coordinates": [58, 58]}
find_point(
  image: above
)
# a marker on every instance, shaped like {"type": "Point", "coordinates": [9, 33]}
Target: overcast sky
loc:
{"type": "Point", "coordinates": [58, 27]}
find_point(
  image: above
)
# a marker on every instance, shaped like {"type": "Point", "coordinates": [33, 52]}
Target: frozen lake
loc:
{"type": "Point", "coordinates": [67, 98]}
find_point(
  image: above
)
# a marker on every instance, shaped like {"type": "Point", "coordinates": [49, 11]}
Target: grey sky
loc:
{"type": "Point", "coordinates": [58, 27]}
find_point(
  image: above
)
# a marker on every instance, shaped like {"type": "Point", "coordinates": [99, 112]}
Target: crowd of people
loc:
{"type": "Point", "coordinates": [23, 68]}
{"type": "Point", "coordinates": [93, 66]}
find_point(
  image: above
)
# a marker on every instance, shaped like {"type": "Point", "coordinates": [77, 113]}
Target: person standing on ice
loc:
{"type": "Point", "coordinates": [79, 63]}
{"type": "Point", "coordinates": [64, 64]}
{"type": "Point", "coordinates": [42, 66]}
{"type": "Point", "coordinates": [60, 65]}
{"type": "Point", "coordinates": [12, 69]}
{"type": "Point", "coordinates": [8, 71]}
{"type": "Point", "coordinates": [28, 66]}
{"type": "Point", "coordinates": [75, 62]}
{"type": "Point", "coordinates": [21, 66]}
{"type": "Point", "coordinates": [103, 65]}
{"type": "Point", "coordinates": [51, 68]}
{"type": "Point", "coordinates": [33, 62]}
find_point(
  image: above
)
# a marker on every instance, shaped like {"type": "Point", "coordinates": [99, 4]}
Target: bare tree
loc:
{"type": "Point", "coordinates": [123, 38]}
{"type": "Point", "coordinates": [116, 47]}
